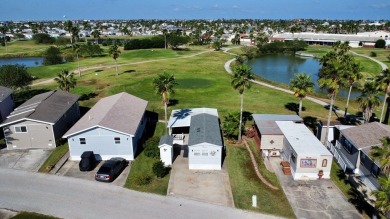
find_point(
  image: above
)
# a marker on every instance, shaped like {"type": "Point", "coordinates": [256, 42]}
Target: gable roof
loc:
{"type": "Point", "coordinates": [166, 139]}
{"type": "Point", "coordinates": [182, 117]}
{"type": "Point", "coordinates": [120, 112]}
{"type": "Point", "coordinates": [366, 135]}
{"type": "Point", "coordinates": [47, 107]}
{"type": "Point", "coordinates": [4, 93]}
{"type": "Point", "coordinates": [204, 128]}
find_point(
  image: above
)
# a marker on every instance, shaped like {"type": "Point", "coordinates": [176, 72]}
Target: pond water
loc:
{"type": "Point", "coordinates": [26, 61]}
{"type": "Point", "coordinates": [281, 68]}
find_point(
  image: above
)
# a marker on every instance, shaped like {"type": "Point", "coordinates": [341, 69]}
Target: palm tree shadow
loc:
{"type": "Point", "coordinates": [294, 107]}
{"type": "Point", "coordinates": [358, 199]}
{"type": "Point", "coordinates": [181, 114]}
{"type": "Point", "coordinates": [173, 102]}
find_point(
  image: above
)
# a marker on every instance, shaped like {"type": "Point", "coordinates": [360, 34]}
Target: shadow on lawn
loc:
{"type": "Point", "coordinates": [294, 107]}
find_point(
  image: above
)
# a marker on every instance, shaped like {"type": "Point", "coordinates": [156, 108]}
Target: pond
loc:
{"type": "Point", "coordinates": [26, 61]}
{"type": "Point", "coordinates": [281, 68]}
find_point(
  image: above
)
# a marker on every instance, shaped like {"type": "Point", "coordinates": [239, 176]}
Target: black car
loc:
{"type": "Point", "coordinates": [335, 108]}
{"type": "Point", "coordinates": [88, 161]}
{"type": "Point", "coordinates": [111, 169]}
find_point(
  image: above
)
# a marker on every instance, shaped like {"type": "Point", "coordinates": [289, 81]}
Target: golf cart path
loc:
{"type": "Point", "coordinates": [383, 65]}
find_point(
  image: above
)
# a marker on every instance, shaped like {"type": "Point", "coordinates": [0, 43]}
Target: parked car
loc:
{"type": "Point", "coordinates": [334, 107]}
{"type": "Point", "coordinates": [88, 161]}
{"type": "Point", "coordinates": [111, 169]}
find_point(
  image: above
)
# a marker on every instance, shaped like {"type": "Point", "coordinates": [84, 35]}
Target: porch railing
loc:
{"type": "Point", "coordinates": [336, 154]}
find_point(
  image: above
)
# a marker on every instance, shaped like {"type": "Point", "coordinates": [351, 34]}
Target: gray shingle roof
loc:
{"type": "Point", "coordinates": [367, 135]}
{"type": "Point", "coordinates": [120, 112]}
{"type": "Point", "coordinates": [166, 139]}
{"type": "Point", "coordinates": [204, 128]}
{"type": "Point", "coordinates": [4, 93]}
{"type": "Point", "coordinates": [46, 107]}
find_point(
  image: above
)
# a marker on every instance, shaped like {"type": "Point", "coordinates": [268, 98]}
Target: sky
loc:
{"type": "Point", "coordinates": [37, 10]}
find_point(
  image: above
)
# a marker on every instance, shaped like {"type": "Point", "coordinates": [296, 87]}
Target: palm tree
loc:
{"type": "Point", "coordinates": [165, 32]}
{"type": "Point", "coordinates": [76, 49]}
{"type": "Point", "coordinates": [75, 33]}
{"type": "Point", "coordinates": [65, 80]}
{"type": "Point", "coordinates": [68, 25]}
{"type": "Point", "coordinates": [301, 84]}
{"type": "Point", "coordinates": [350, 78]}
{"type": "Point", "coordinates": [96, 35]}
{"type": "Point", "coordinates": [382, 154]}
{"type": "Point", "coordinates": [242, 75]}
{"type": "Point", "coordinates": [164, 84]}
{"type": "Point", "coordinates": [383, 196]}
{"type": "Point", "coordinates": [3, 30]}
{"type": "Point", "coordinates": [369, 99]}
{"type": "Point", "coordinates": [115, 52]}
{"type": "Point", "coordinates": [383, 81]}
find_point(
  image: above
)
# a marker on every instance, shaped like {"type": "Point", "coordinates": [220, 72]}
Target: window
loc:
{"type": "Point", "coordinates": [293, 158]}
{"type": "Point", "coordinates": [205, 153]}
{"type": "Point", "coordinates": [375, 170]}
{"type": "Point", "coordinates": [117, 140]}
{"type": "Point", "coordinates": [19, 129]}
{"type": "Point", "coordinates": [347, 145]}
{"type": "Point", "coordinates": [362, 157]}
{"type": "Point", "coordinates": [324, 162]}
{"type": "Point", "coordinates": [83, 141]}
{"type": "Point", "coordinates": [308, 163]}
{"type": "Point", "coordinates": [196, 152]}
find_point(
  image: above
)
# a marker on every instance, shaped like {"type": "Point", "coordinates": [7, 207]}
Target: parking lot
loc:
{"type": "Point", "coordinates": [29, 160]}
{"type": "Point", "coordinates": [71, 169]}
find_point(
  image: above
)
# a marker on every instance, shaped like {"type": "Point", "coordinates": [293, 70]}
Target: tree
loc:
{"type": "Point", "coordinates": [242, 75]}
{"type": "Point", "coordinates": [382, 155]}
{"type": "Point", "coordinates": [68, 25]}
{"type": "Point", "coordinates": [52, 56]}
{"type": "Point", "coordinates": [350, 78]}
{"type": "Point", "coordinates": [175, 40]}
{"type": "Point", "coordinates": [230, 124]}
{"type": "Point", "coordinates": [165, 32]}
{"type": "Point", "coordinates": [65, 80]}
{"type": "Point", "coordinates": [3, 30]}
{"type": "Point", "coordinates": [381, 43]}
{"type": "Point", "coordinates": [369, 99]}
{"type": "Point", "coordinates": [115, 52]}
{"type": "Point", "coordinates": [14, 76]}
{"type": "Point", "coordinates": [217, 45]}
{"type": "Point", "coordinates": [163, 85]}
{"type": "Point", "coordinates": [301, 85]}
{"type": "Point", "coordinates": [334, 65]}
{"type": "Point", "coordinates": [383, 82]}
{"type": "Point", "coordinates": [76, 49]}
{"type": "Point", "coordinates": [96, 35]}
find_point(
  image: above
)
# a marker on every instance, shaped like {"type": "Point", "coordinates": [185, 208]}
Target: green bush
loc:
{"type": "Point", "coordinates": [373, 54]}
{"type": "Point", "coordinates": [69, 58]}
{"type": "Point", "coordinates": [151, 147]}
{"type": "Point", "coordinates": [381, 43]}
{"type": "Point", "coordinates": [142, 180]}
{"type": "Point", "coordinates": [62, 41]}
{"type": "Point", "coordinates": [43, 38]}
{"type": "Point", "coordinates": [159, 169]}
{"type": "Point", "coordinates": [148, 43]}
{"type": "Point", "coordinates": [52, 56]}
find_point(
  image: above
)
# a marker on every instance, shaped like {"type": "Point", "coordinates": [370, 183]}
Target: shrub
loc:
{"type": "Point", "coordinates": [151, 147]}
{"type": "Point", "coordinates": [69, 58]}
{"type": "Point", "coordinates": [381, 43]}
{"type": "Point", "coordinates": [160, 170]}
{"type": "Point", "coordinates": [148, 43]}
{"type": "Point", "coordinates": [373, 54]}
{"type": "Point", "coordinates": [62, 41]}
{"type": "Point", "coordinates": [142, 180]}
{"type": "Point", "coordinates": [52, 56]}
{"type": "Point", "coordinates": [43, 38]}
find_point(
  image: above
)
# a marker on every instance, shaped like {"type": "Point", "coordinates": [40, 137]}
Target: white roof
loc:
{"type": "Point", "coordinates": [182, 117]}
{"type": "Point", "coordinates": [302, 140]}
{"type": "Point", "coordinates": [342, 127]}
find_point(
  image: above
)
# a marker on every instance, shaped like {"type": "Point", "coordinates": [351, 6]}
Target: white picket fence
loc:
{"type": "Point", "coordinates": [336, 154]}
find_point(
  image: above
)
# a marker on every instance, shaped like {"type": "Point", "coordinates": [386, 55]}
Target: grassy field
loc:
{"type": "Point", "coordinates": [31, 215]}
{"type": "Point", "coordinates": [244, 183]}
{"type": "Point", "coordinates": [22, 48]}
{"type": "Point", "coordinates": [142, 167]}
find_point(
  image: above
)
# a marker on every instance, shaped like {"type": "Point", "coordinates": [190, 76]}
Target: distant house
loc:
{"type": "Point", "coordinates": [198, 131]}
{"type": "Point", "coordinates": [308, 157]}
{"type": "Point", "coordinates": [113, 127]}
{"type": "Point", "coordinates": [39, 121]}
{"type": "Point", "coordinates": [321, 129]}
{"type": "Point", "coordinates": [270, 136]}
{"type": "Point", "coordinates": [353, 147]}
{"type": "Point", "coordinates": [6, 102]}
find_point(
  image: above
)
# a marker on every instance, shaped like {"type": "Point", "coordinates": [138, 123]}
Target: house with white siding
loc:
{"type": "Point", "coordinates": [113, 127]}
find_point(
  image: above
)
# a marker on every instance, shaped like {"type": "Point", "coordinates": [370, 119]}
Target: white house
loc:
{"type": "Point", "coordinates": [308, 157]}
{"type": "Point", "coordinates": [111, 128]}
{"type": "Point", "coordinates": [205, 143]}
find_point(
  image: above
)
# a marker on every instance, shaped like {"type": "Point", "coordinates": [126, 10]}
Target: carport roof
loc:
{"type": "Point", "coordinates": [266, 122]}
{"type": "Point", "coordinates": [205, 129]}
{"type": "Point", "coordinates": [302, 140]}
{"type": "Point", "coordinates": [121, 112]}
{"type": "Point", "coordinates": [182, 117]}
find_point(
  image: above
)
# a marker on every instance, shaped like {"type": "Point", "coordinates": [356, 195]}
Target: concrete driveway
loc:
{"type": "Point", "coordinates": [314, 198]}
{"type": "Point", "coordinates": [71, 169]}
{"type": "Point", "coordinates": [210, 186]}
{"type": "Point", "coordinates": [29, 160]}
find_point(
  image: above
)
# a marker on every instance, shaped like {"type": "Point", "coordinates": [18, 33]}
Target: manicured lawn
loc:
{"type": "Point", "coordinates": [244, 183]}
{"type": "Point", "coordinates": [54, 157]}
{"type": "Point", "coordinates": [22, 48]}
{"type": "Point", "coordinates": [31, 215]}
{"type": "Point", "coordinates": [142, 167]}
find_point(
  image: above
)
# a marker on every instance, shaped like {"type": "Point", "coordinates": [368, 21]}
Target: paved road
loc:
{"type": "Point", "coordinates": [67, 197]}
